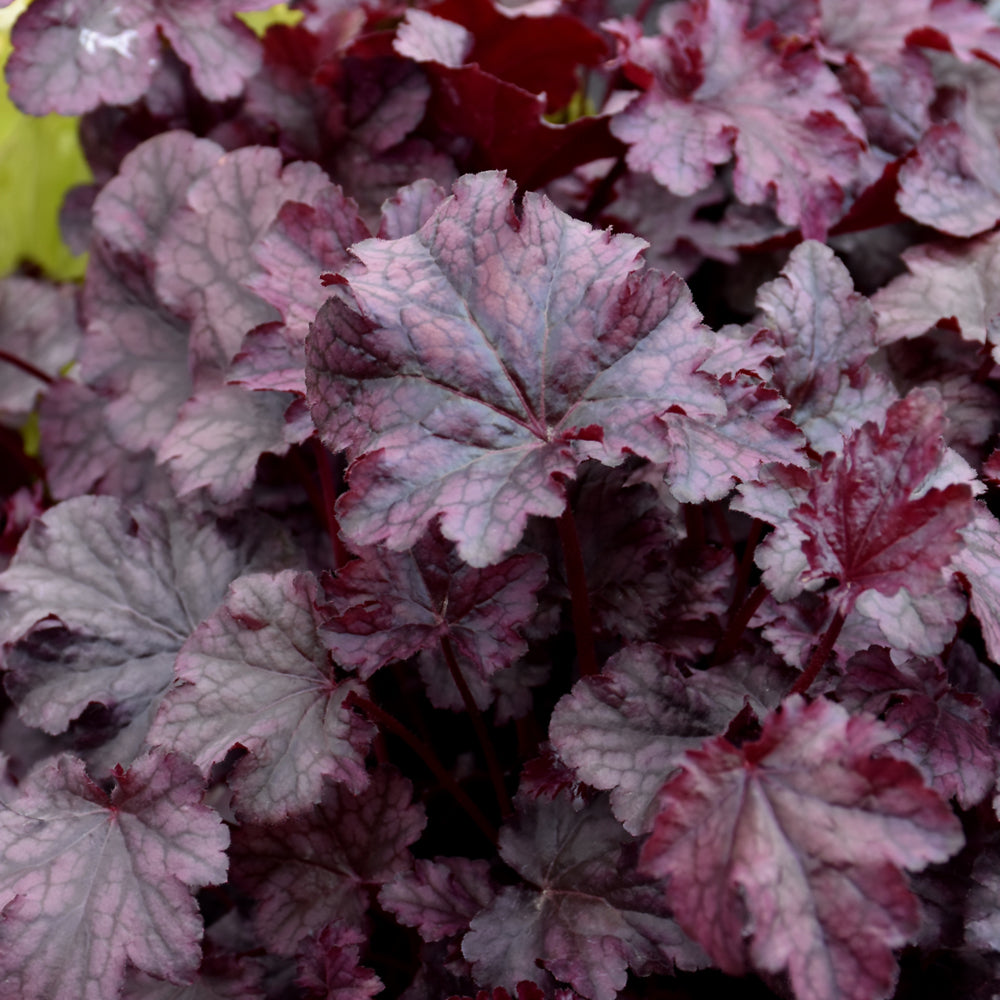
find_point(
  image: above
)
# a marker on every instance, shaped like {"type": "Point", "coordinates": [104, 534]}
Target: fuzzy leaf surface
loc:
{"type": "Point", "coordinates": [471, 392]}
{"type": "Point", "coordinates": [787, 853]}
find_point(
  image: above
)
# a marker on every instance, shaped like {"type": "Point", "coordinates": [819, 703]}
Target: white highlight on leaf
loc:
{"type": "Point", "coordinates": [121, 43]}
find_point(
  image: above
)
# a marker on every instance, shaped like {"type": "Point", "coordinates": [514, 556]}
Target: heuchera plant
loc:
{"type": "Point", "coordinates": [510, 512]}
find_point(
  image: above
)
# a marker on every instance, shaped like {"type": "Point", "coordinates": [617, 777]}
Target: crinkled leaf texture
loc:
{"type": "Point", "coordinates": [100, 597]}
{"type": "Point", "coordinates": [91, 881]}
{"type": "Point", "coordinates": [489, 354]}
{"type": "Point", "coordinates": [787, 852]}
{"type": "Point", "coordinates": [256, 674]}
{"type": "Point", "coordinates": [585, 915]}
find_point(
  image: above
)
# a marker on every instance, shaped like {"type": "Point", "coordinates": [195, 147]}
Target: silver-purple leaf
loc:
{"type": "Point", "coordinates": [90, 881]}
{"type": "Point", "coordinates": [493, 352]}
{"type": "Point", "coordinates": [256, 674]}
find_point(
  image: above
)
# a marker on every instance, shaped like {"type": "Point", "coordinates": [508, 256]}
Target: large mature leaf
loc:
{"type": "Point", "coordinates": [255, 673]}
{"type": "Point", "coordinates": [585, 915]}
{"type": "Point", "coordinates": [99, 598]}
{"type": "Point", "coordinates": [867, 521]}
{"type": "Point", "coordinates": [72, 55]}
{"type": "Point", "coordinates": [90, 881]}
{"type": "Point", "coordinates": [387, 606]}
{"type": "Point", "coordinates": [321, 865]}
{"type": "Point", "coordinates": [787, 853]}
{"type": "Point", "coordinates": [494, 352]}
{"type": "Point", "coordinates": [715, 91]}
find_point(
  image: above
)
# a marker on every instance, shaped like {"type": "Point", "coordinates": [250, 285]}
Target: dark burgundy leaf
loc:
{"type": "Point", "coordinates": [387, 606]}
{"type": "Point", "coordinates": [867, 521]}
{"type": "Point", "coordinates": [329, 969]}
{"type": "Point", "coordinates": [539, 53]}
{"type": "Point", "coordinates": [584, 915]}
{"type": "Point", "coordinates": [319, 866]}
{"type": "Point", "coordinates": [806, 810]}
{"type": "Point", "coordinates": [563, 355]}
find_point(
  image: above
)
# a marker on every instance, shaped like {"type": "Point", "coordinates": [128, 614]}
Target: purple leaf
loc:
{"type": "Point", "coordinates": [787, 853]}
{"type": "Point", "coordinates": [826, 330]}
{"type": "Point", "coordinates": [473, 398]}
{"type": "Point", "coordinates": [387, 606]}
{"type": "Point", "coordinates": [222, 431]}
{"type": "Point", "coordinates": [303, 242]}
{"type": "Point", "coordinates": [319, 866]}
{"type": "Point", "coordinates": [204, 257]}
{"type": "Point", "coordinates": [585, 915]}
{"type": "Point", "coordinates": [627, 729]}
{"type": "Point", "coordinates": [91, 880]}
{"type": "Point", "coordinates": [99, 598]}
{"type": "Point", "coordinates": [948, 282]}
{"type": "Point", "coordinates": [38, 325]}
{"type": "Point", "coordinates": [256, 674]}
{"type": "Point", "coordinates": [978, 562]}
{"type": "Point", "coordinates": [943, 731]}
{"type": "Point", "coordinates": [329, 969]}
{"type": "Point", "coordinates": [439, 897]}
{"type": "Point", "coordinates": [867, 522]}
{"type": "Point", "coordinates": [69, 57]}
{"type": "Point", "coordinates": [714, 91]}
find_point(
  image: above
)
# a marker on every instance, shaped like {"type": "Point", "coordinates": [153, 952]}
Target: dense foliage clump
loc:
{"type": "Point", "coordinates": [510, 511]}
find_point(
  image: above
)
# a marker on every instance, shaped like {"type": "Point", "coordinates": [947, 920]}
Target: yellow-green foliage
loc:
{"type": "Point", "coordinates": [261, 20]}
{"type": "Point", "coordinates": [40, 159]}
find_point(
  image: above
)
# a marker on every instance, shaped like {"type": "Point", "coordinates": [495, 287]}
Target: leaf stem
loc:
{"type": "Point", "coordinates": [583, 625]}
{"type": "Point", "coordinates": [424, 752]}
{"type": "Point", "coordinates": [27, 367]}
{"type": "Point", "coordinates": [737, 623]}
{"type": "Point", "coordinates": [745, 566]}
{"type": "Point", "coordinates": [479, 724]}
{"type": "Point", "coordinates": [340, 554]}
{"type": "Point", "coordinates": [820, 655]}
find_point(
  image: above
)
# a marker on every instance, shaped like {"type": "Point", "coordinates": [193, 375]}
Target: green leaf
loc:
{"type": "Point", "coordinates": [40, 160]}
